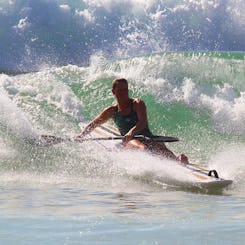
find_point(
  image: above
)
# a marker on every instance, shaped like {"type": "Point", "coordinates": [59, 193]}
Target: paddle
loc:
{"type": "Point", "coordinates": [51, 139]}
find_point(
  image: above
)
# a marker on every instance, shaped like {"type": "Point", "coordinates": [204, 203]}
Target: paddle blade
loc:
{"type": "Point", "coordinates": [158, 138]}
{"type": "Point", "coordinates": [165, 139]}
{"type": "Point", "coordinates": [46, 140]}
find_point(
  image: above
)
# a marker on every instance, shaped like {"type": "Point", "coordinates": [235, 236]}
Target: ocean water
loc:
{"type": "Point", "coordinates": [84, 194]}
{"type": "Point", "coordinates": [58, 60]}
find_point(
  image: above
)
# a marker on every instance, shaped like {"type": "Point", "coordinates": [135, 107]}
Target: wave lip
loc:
{"type": "Point", "coordinates": [226, 107]}
{"type": "Point", "coordinates": [13, 119]}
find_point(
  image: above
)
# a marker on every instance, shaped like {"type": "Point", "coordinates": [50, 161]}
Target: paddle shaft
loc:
{"type": "Point", "coordinates": [51, 139]}
{"type": "Point", "coordinates": [154, 138]}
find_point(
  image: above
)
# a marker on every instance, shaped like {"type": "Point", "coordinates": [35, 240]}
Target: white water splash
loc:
{"type": "Point", "coordinates": [230, 162]}
{"type": "Point", "coordinates": [12, 119]}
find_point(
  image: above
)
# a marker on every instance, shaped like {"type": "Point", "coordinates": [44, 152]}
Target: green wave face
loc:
{"type": "Point", "coordinates": [198, 97]}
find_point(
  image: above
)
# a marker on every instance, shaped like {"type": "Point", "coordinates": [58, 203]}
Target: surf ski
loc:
{"type": "Point", "coordinates": [107, 136]}
{"type": "Point", "coordinates": [198, 176]}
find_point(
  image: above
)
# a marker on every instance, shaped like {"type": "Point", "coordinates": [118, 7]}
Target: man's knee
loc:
{"type": "Point", "coordinates": [135, 144]}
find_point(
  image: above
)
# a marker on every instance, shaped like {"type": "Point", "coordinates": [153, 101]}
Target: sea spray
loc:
{"type": "Point", "coordinates": [229, 161]}
{"type": "Point", "coordinates": [41, 100]}
{"type": "Point", "coordinates": [146, 167]}
{"type": "Point", "coordinates": [13, 121]}
{"type": "Point", "coordinates": [37, 34]}
{"type": "Point", "coordinates": [182, 98]}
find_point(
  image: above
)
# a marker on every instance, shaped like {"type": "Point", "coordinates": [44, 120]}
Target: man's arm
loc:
{"type": "Point", "coordinates": [103, 117]}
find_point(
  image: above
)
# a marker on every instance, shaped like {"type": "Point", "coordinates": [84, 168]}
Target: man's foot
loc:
{"type": "Point", "coordinates": [182, 158]}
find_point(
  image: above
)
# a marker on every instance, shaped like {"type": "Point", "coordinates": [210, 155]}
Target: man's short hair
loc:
{"type": "Point", "coordinates": [117, 81]}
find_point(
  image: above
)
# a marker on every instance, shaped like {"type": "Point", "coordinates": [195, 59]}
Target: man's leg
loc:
{"type": "Point", "coordinates": [135, 144]}
{"type": "Point", "coordinates": [161, 149]}
{"type": "Point", "coordinates": [156, 148]}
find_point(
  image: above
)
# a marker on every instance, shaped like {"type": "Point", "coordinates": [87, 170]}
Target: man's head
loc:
{"type": "Point", "coordinates": [120, 88]}
{"type": "Point", "coordinates": [118, 81]}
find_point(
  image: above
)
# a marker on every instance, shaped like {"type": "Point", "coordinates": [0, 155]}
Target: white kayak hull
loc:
{"type": "Point", "coordinates": [199, 177]}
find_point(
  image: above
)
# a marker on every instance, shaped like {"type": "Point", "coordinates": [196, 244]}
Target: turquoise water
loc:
{"type": "Point", "coordinates": [83, 194]}
{"type": "Point", "coordinates": [61, 214]}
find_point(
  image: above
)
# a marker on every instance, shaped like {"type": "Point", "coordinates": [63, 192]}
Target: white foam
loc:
{"type": "Point", "coordinates": [65, 8]}
{"type": "Point", "coordinates": [23, 24]}
{"type": "Point", "coordinates": [6, 152]}
{"type": "Point", "coordinates": [229, 162]}
{"type": "Point", "coordinates": [224, 101]}
{"type": "Point", "coordinates": [148, 167]}
{"type": "Point", "coordinates": [87, 16]}
{"type": "Point", "coordinates": [236, 13]}
{"type": "Point", "coordinates": [43, 86]}
{"type": "Point", "coordinates": [227, 108]}
{"type": "Point", "coordinates": [13, 119]}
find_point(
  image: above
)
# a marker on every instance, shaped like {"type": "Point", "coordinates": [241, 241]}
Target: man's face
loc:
{"type": "Point", "coordinates": [121, 90]}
